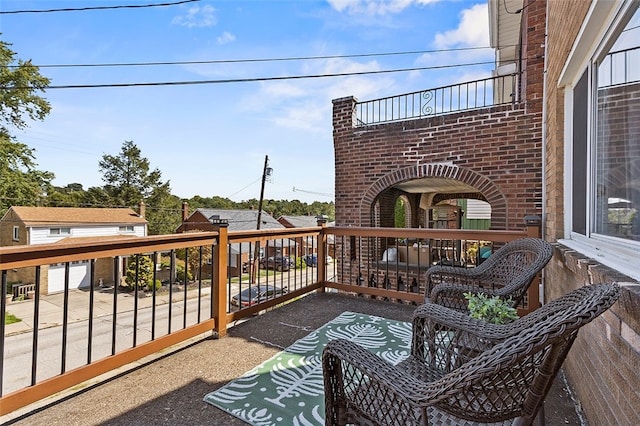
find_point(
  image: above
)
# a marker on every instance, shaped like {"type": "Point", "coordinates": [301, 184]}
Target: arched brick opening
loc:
{"type": "Point", "coordinates": [488, 190]}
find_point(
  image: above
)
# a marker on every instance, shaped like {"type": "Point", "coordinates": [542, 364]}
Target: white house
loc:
{"type": "Point", "coordinates": [60, 225]}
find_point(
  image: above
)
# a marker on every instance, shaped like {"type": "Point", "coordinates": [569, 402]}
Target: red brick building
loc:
{"type": "Point", "coordinates": [491, 153]}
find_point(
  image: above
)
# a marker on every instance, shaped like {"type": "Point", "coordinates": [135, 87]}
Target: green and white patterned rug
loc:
{"type": "Point", "coordinates": [288, 388]}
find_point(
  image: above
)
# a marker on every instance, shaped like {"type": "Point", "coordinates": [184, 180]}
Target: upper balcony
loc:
{"type": "Point", "coordinates": [70, 341]}
{"type": "Point", "coordinates": [467, 96]}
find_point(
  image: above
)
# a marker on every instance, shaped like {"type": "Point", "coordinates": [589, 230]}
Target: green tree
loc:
{"type": "Point", "coordinates": [20, 82]}
{"type": "Point", "coordinates": [21, 184]}
{"type": "Point", "coordinates": [68, 196]}
{"type": "Point", "coordinates": [128, 177]}
{"type": "Point", "coordinates": [139, 266]}
{"type": "Point", "coordinates": [19, 97]}
{"type": "Point", "coordinates": [129, 180]}
{"type": "Point", "coordinates": [399, 214]}
{"type": "Point", "coordinates": [94, 197]}
{"type": "Point", "coordinates": [163, 211]}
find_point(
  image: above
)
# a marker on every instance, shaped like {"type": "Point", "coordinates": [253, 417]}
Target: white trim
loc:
{"type": "Point", "coordinates": [613, 254]}
{"type": "Point", "coordinates": [568, 161]}
{"type": "Point", "coordinates": [594, 27]}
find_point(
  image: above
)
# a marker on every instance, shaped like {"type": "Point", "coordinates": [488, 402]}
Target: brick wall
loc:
{"type": "Point", "coordinates": [495, 150]}
{"type": "Point", "coordinates": [602, 366]}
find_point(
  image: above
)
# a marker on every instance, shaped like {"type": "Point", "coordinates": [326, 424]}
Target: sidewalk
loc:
{"type": "Point", "coordinates": [51, 306]}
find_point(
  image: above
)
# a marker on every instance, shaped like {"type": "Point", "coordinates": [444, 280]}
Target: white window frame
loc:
{"type": "Point", "coordinates": [595, 37]}
{"type": "Point", "coordinates": [126, 229]}
{"type": "Point", "coordinates": [56, 232]}
{"type": "Point", "coordinates": [16, 233]}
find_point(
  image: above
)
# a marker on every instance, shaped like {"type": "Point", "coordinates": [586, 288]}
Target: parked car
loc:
{"type": "Point", "coordinates": [256, 294]}
{"type": "Point", "coordinates": [279, 263]}
{"type": "Point", "coordinates": [312, 259]}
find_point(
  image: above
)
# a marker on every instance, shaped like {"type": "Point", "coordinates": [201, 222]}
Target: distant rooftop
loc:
{"type": "Point", "coordinates": [242, 220]}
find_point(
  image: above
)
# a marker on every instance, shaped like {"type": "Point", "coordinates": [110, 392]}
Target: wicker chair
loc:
{"type": "Point", "coordinates": [507, 273]}
{"type": "Point", "coordinates": [460, 370]}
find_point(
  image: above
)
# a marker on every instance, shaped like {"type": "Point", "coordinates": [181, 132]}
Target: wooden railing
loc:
{"type": "Point", "coordinates": [197, 300]}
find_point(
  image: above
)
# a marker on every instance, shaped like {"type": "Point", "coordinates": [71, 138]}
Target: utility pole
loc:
{"type": "Point", "coordinates": [266, 172]}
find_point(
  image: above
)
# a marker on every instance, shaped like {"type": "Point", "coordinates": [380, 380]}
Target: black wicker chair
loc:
{"type": "Point", "coordinates": [461, 370]}
{"type": "Point", "coordinates": [507, 273]}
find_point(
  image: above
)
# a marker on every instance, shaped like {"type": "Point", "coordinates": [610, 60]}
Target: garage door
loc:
{"type": "Point", "coordinates": [78, 276]}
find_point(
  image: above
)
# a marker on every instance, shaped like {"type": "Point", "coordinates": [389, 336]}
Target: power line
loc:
{"type": "Point", "coordinates": [245, 80]}
{"type": "Point", "coordinates": [78, 9]}
{"type": "Point", "coordinates": [324, 194]}
{"type": "Point", "coordinates": [254, 60]}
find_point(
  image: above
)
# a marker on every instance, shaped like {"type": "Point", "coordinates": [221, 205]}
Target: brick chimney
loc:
{"type": "Point", "coordinates": [142, 209]}
{"type": "Point", "coordinates": [185, 211]}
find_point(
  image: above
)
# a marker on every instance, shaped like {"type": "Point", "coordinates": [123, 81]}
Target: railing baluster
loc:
{"type": "Point", "coordinates": [114, 325]}
{"type": "Point", "coordinates": [172, 279]}
{"type": "Point", "coordinates": [200, 282]}
{"type": "Point", "coordinates": [3, 311]}
{"type": "Point", "coordinates": [138, 259]}
{"type": "Point", "coordinates": [92, 277]}
{"type": "Point", "coordinates": [186, 284]}
{"type": "Point", "coordinates": [65, 319]}
{"type": "Point", "coordinates": [153, 296]}
{"type": "Point", "coordinates": [36, 328]}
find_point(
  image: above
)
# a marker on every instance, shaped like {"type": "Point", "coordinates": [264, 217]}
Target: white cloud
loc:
{"type": "Point", "coordinates": [225, 37]}
{"type": "Point", "coordinates": [306, 104]}
{"type": "Point", "coordinates": [374, 7]}
{"type": "Point", "coordinates": [197, 17]}
{"type": "Point", "coordinates": [473, 30]}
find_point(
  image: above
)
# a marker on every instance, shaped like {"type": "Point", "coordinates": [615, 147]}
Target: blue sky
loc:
{"type": "Point", "coordinates": [211, 139]}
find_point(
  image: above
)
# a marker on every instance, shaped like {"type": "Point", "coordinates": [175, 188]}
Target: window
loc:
{"type": "Point", "coordinates": [127, 228]}
{"type": "Point", "coordinates": [60, 231]}
{"type": "Point", "coordinates": [16, 233]}
{"type": "Point", "coordinates": [604, 158]}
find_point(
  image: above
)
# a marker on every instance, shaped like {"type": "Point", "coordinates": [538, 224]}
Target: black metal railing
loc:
{"type": "Point", "coordinates": [438, 101]}
{"type": "Point", "coordinates": [390, 263]}
{"type": "Point", "coordinates": [286, 264]}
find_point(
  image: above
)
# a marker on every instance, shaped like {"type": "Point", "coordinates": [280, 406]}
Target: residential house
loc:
{"type": "Point", "coordinates": [307, 246]}
{"type": "Point", "coordinates": [63, 225]}
{"type": "Point", "coordinates": [238, 220]}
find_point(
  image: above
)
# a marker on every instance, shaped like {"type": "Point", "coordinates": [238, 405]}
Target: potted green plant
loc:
{"type": "Point", "coordinates": [494, 309]}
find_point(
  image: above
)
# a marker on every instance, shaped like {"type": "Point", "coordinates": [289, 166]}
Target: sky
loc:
{"type": "Point", "coordinates": [211, 139]}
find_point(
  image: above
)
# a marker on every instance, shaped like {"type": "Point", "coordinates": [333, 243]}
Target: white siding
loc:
{"type": "Point", "coordinates": [40, 235]}
{"type": "Point", "coordinates": [477, 209]}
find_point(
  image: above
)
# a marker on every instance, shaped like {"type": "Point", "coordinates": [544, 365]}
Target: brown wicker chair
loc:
{"type": "Point", "coordinates": [507, 273]}
{"type": "Point", "coordinates": [460, 370]}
